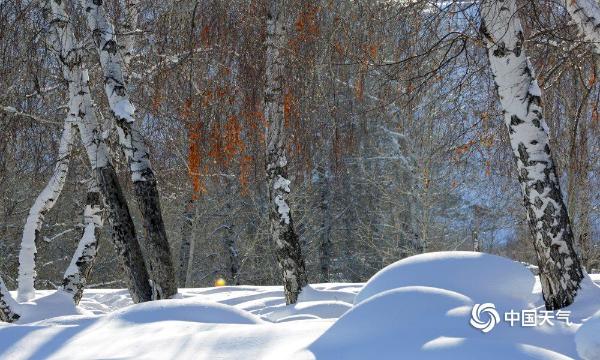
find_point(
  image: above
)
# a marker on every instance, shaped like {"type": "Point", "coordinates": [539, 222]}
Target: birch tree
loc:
{"type": "Point", "coordinates": [123, 233]}
{"type": "Point", "coordinates": [520, 96]}
{"type": "Point", "coordinates": [186, 247]}
{"type": "Point", "coordinates": [287, 244]}
{"type": "Point", "coordinates": [79, 269]}
{"type": "Point", "coordinates": [158, 253]}
{"type": "Point", "coordinates": [586, 14]}
{"type": "Point", "coordinates": [8, 305]}
{"type": "Point", "coordinates": [44, 202]}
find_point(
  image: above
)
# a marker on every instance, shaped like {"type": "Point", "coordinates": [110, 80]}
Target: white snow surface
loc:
{"type": "Point", "coordinates": [476, 275]}
{"type": "Point", "coordinates": [417, 308]}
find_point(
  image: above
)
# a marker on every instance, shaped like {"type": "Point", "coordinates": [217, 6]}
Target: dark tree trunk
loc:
{"type": "Point", "coordinates": [157, 249]}
{"type": "Point", "coordinates": [123, 236]}
{"type": "Point", "coordinates": [186, 242]}
{"type": "Point", "coordinates": [7, 305]}
{"type": "Point", "coordinates": [325, 245]}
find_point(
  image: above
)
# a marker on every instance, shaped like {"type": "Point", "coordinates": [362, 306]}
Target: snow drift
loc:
{"type": "Point", "coordinates": [417, 308]}
{"type": "Point", "coordinates": [481, 277]}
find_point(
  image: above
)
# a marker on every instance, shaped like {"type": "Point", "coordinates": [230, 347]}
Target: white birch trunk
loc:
{"type": "Point", "coordinates": [586, 14]}
{"type": "Point", "coordinates": [520, 96]}
{"type": "Point", "coordinates": [287, 244]}
{"type": "Point", "coordinates": [44, 202]}
{"type": "Point", "coordinates": [123, 233]}
{"type": "Point", "coordinates": [158, 252]}
{"type": "Point", "coordinates": [128, 27]}
{"type": "Point", "coordinates": [8, 306]}
{"type": "Point", "coordinates": [77, 273]}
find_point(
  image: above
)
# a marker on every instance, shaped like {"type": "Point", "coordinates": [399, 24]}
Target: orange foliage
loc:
{"type": "Point", "coordinates": [156, 102]}
{"type": "Point", "coordinates": [246, 163]}
{"type": "Point", "coordinates": [205, 35]}
{"type": "Point", "coordinates": [186, 109]}
{"type": "Point", "coordinates": [215, 141]}
{"type": "Point", "coordinates": [194, 159]}
{"type": "Point", "coordinates": [463, 149]}
{"type": "Point", "coordinates": [373, 51]}
{"type": "Point", "coordinates": [234, 144]}
{"type": "Point", "coordinates": [359, 89]}
{"type": "Point", "coordinates": [288, 107]}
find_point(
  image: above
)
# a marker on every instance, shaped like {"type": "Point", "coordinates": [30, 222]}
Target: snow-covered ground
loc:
{"type": "Point", "coordinates": [417, 308]}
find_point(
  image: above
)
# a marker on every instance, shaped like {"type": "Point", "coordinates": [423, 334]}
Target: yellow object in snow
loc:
{"type": "Point", "coordinates": [220, 282]}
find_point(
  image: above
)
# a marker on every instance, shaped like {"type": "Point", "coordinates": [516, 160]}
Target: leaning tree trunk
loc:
{"type": "Point", "coordinates": [80, 107]}
{"type": "Point", "coordinates": [586, 14]}
{"type": "Point", "coordinates": [520, 96]}
{"type": "Point", "coordinates": [287, 244]}
{"type": "Point", "coordinates": [77, 273]}
{"type": "Point", "coordinates": [128, 27]}
{"type": "Point", "coordinates": [44, 202]}
{"type": "Point", "coordinates": [8, 306]}
{"type": "Point", "coordinates": [158, 252]}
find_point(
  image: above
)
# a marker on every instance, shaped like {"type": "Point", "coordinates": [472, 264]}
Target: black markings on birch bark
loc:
{"type": "Point", "coordinates": [560, 269]}
{"type": "Point", "coordinates": [123, 233]}
{"type": "Point", "coordinates": [7, 305]}
{"type": "Point", "coordinates": [287, 244]}
{"type": "Point", "coordinates": [156, 245]}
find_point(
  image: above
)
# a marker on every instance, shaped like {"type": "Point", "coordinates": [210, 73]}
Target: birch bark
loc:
{"type": "Point", "coordinates": [586, 14]}
{"type": "Point", "coordinates": [77, 273]}
{"type": "Point", "coordinates": [8, 305]}
{"type": "Point", "coordinates": [520, 96]}
{"type": "Point", "coordinates": [157, 250]}
{"type": "Point", "coordinates": [80, 107]}
{"type": "Point", "coordinates": [43, 204]}
{"type": "Point", "coordinates": [287, 244]}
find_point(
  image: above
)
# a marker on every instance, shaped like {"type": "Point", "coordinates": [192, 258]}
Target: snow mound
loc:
{"type": "Point", "coordinates": [311, 293]}
{"type": "Point", "coordinates": [57, 304]}
{"type": "Point", "coordinates": [190, 310]}
{"type": "Point", "coordinates": [319, 309]}
{"type": "Point", "coordinates": [586, 302]}
{"type": "Point", "coordinates": [481, 277]}
{"type": "Point", "coordinates": [418, 322]}
{"type": "Point", "coordinates": [394, 323]}
{"type": "Point", "coordinates": [460, 348]}
{"type": "Point", "coordinates": [587, 338]}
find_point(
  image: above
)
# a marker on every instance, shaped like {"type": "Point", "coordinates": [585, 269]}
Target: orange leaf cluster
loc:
{"type": "Point", "coordinates": [194, 159]}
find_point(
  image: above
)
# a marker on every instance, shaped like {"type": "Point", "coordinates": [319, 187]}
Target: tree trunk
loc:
{"type": "Point", "coordinates": [80, 107]}
{"type": "Point", "coordinates": [289, 254]}
{"type": "Point", "coordinates": [520, 96]}
{"type": "Point", "coordinates": [8, 305]}
{"type": "Point", "coordinates": [158, 252]}
{"type": "Point", "coordinates": [128, 26]}
{"type": "Point", "coordinates": [77, 273]}
{"type": "Point", "coordinates": [186, 241]}
{"type": "Point", "coordinates": [232, 262]}
{"type": "Point", "coordinates": [325, 245]}
{"type": "Point", "coordinates": [586, 14]}
{"type": "Point", "coordinates": [44, 202]}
